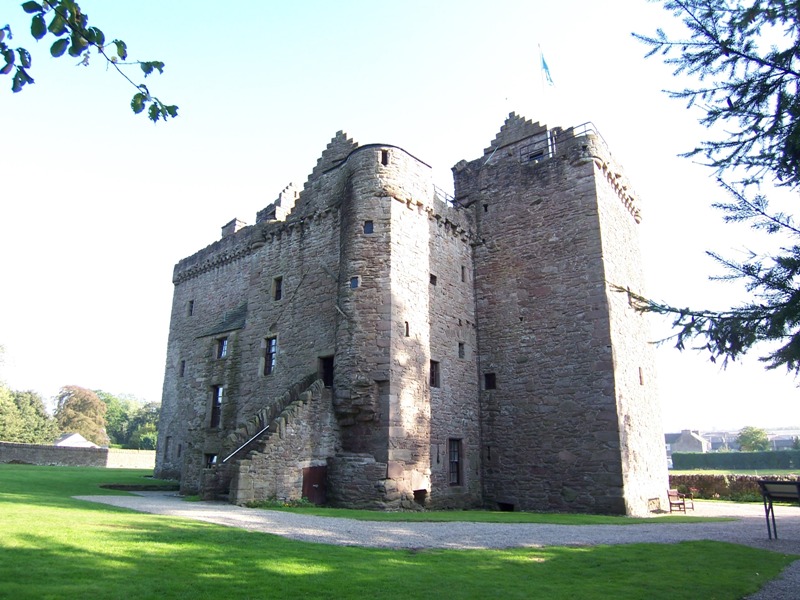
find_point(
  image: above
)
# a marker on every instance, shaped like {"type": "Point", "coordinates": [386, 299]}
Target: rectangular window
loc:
{"type": "Point", "coordinates": [461, 350]}
{"type": "Point", "coordinates": [433, 279]}
{"type": "Point", "coordinates": [222, 347]}
{"type": "Point", "coordinates": [489, 381]}
{"type": "Point", "coordinates": [384, 157]}
{"type": "Point", "coordinates": [215, 419]}
{"type": "Point", "coordinates": [210, 460]}
{"type": "Point", "coordinates": [190, 308]}
{"type": "Point", "coordinates": [368, 227]}
{"type": "Point", "coordinates": [167, 441]}
{"type": "Point", "coordinates": [435, 375]}
{"type": "Point", "coordinates": [353, 283]}
{"type": "Point", "coordinates": [463, 273]}
{"type": "Point", "coordinates": [454, 460]}
{"type": "Point", "coordinates": [277, 288]}
{"type": "Point", "coordinates": [270, 355]}
{"type": "Point", "coordinates": [182, 370]}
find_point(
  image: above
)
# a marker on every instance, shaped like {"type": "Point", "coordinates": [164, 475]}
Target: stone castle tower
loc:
{"type": "Point", "coordinates": [370, 342]}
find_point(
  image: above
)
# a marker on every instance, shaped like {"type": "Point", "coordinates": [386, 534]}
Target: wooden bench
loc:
{"type": "Point", "coordinates": [782, 491]}
{"type": "Point", "coordinates": [678, 501]}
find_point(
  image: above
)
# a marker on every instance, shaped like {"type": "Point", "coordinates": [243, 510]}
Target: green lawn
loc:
{"type": "Point", "coordinates": [762, 472]}
{"type": "Point", "coordinates": [52, 546]}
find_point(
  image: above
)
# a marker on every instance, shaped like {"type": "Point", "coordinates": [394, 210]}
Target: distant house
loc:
{"type": "Point", "coordinates": [75, 440]}
{"type": "Point", "coordinates": [685, 441]}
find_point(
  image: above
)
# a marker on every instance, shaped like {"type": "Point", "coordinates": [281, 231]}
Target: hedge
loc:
{"type": "Point", "coordinates": [739, 488]}
{"type": "Point", "coordinates": [783, 459]}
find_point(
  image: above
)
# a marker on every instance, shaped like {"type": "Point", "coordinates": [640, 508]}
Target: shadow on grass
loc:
{"type": "Point", "coordinates": [147, 557]}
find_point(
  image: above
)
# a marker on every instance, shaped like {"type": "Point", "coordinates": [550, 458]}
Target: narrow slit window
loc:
{"type": "Point", "coordinates": [277, 288]}
{"type": "Point", "coordinates": [190, 308]}
{"type": "Point", "coordinates": [182, 369]}
{"type": "Point", "coordinates": [434, 279]}
{"type": "Point", "coordinates": [461, 350]}
{"type": "Point", "coordinates": [215, 419]}
{"type": "Point", "coordinates": [489, 381]}
{"type": "Point", "coordinates": [435, 374]}
{"type": "Point", "coordinates": [463, 273]}
{"type": "Point", "coordinates": [368, 227]}
{"type": "Point", "coordinates": [270, 355]}
{"type": "Point", "coordinates": [407, 329]}
{"type": "Point", "coordinates": [384, 157]}
{"type": "Point", "coordinates": [454, 461]}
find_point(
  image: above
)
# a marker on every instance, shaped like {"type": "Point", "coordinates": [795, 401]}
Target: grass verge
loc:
{"type": "Point", "coordinates": [55, 547]}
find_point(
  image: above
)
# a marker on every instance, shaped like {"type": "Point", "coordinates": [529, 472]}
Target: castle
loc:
{"type": "Point", "coordinates": [372, 342]}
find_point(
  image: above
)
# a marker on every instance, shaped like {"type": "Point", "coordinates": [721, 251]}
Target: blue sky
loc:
{"type": "Point", "coordinates": [97, 204]}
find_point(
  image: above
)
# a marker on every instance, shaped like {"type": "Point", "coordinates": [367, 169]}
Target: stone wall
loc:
{"type": "Point", "coordinates": [304, 435]}
{"type": "Point", "coordinates": [65, 456]}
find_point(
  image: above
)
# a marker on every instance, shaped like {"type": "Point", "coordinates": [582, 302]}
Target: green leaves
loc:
{"type": "Point", "coordinates": [70, 26]}
{"type": "Point", "coordinates": [59, 47]}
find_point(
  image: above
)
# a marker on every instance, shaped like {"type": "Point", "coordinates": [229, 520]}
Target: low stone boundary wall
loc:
{"type": "Point", "coordinates": [65, 456]}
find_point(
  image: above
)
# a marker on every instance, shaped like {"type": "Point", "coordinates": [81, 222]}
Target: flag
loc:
{"type": "Point", "coordinates": [545, 69]}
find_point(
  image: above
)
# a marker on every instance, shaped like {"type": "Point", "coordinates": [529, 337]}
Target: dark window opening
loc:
{"type": "Point", "coordinates": [216, 407]}
{"type": "Point", "coordinates": [408, 331]}
{"type": "Point", "coordinates": [270, 355]}
{"type": "Point", "coordinates": [384, 157]}
{"type": "Point", "coordinates": [454, 460]}
{"type": "Point", "coordinates": [222, 347]}
{"type": "Point", "coordinates": [277, 288]}
{"type": "Point", "coordinates": [485, 208]}
{"type": "Point", "coordinates": [211, 460]}
{"type": "Point", "coordinates": [435, 375]}
{"type": "Point", "coordinates": [368, 227]}
{"type": "Point", "coordinates": [326, 370]}
{"type": "Point", "coordinates": [461, 350]}
{"type": "Point", "coordinates": [420, 496]}
{"type": "Point", "coordinates": [182, 370]}
{"type": "Point", "coordinates": [167, 441]}
{"type": "Point", "coordinates": [353, 283]}
{"type": "Point", "coordinates": [180, 450]}
{"type": "Point", "coordinates": [463, 273]}
{"type": "Point", "coordinates": [489, 381]}
{"type": "Point", "coordinates": [190, 308]}
{"type": "Point", "coordinates": [505, 507]}
{"type": "Point", "coordinates": [433, 279]}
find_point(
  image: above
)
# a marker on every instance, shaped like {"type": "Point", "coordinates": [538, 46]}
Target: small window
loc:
{"type": "Point", "coordinates": [641, 376]}
{"type": "Point", "coordinates": [167, 442]}
{"type": "Point", "coordinates": [222, 347]}
{"type": "Point", "coordinates": [433, 279]}
{"type": "Point", "coordinates": [384, 157]}
{"type": "Point", "coordinates": [277, 288]}
{"type": "Point", "coordinates": [435, 374]}
{"type": "Point", "coordinates": [485, 208]}
{"type": "Point", "coordinates": [368, 227]}
{"type": "Point", "coordinates": [489, 381]}
{"type": "Point", "coordinates": [215, 420]}
{"type": "Point", "coordinates": [408, 330]}
{"type": "Point", "coordinates": [270, 355]}
{"type": "Point", "coordinates": [353, 283]}
{"type": "Point", "coordinates": [180, 450]}
{"type": "Point", "coordinates": [182, 370]}
{"type": "Point", "coordinates": [461, 350]}
{"type": "Point", "coordinates": [463, 273]}
{"type": "Point", "coordinates": [454, 460]}
{"type": "Point", "coordinates": [326, 370]}
{"type": "Point", "coordinates": [210, 460]}
{"type": "Point", "coordinates": [190, 308]}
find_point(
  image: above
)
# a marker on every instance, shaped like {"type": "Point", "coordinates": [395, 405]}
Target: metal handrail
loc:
{"type": "Point", "coordinates": [235, 452]}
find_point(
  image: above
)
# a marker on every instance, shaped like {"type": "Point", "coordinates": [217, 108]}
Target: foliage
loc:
{"type": "Point", "coordinates": [753, 439]}
{"type": "Point", "coordinates": [736, 488]}
{"type": "Point", "coordinates": [55, 546]}
{"type": "Point", "coordinates": [746, 56]}
{"type": "Point", "coordinates": [129, 424]}
{"type": "Point", "coordinates": [79, 410]}
{"type": "Point", "coordinates": [24, 418]}
{"type": "Point", "coordinates": [69, 25]}
{"type": "Point", "coordinates": [737, 461]}
{"type": "Point", "coordinates": [144, 427]}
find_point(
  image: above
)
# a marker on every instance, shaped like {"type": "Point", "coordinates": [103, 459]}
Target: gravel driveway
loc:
{"type": "Point", "coordinates": [748, 529]}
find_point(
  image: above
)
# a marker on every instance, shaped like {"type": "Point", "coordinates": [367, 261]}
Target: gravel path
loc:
{"type": "Point", "coordinates": [748, 529]}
